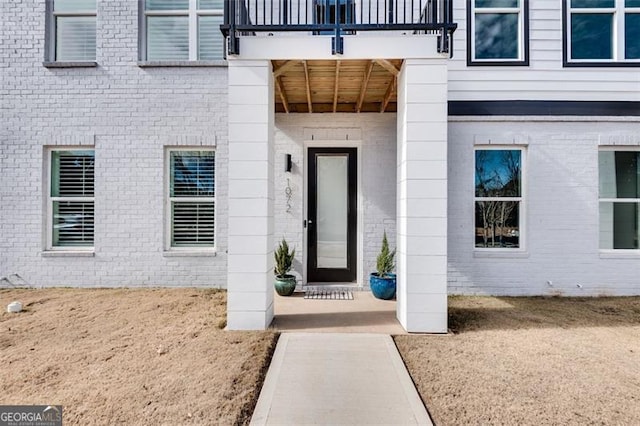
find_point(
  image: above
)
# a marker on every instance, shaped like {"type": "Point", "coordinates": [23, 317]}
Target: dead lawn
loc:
{"type": "Point", "coordinates": [531, 361]}
{"type": "Point", "coordinates": [131, 356]}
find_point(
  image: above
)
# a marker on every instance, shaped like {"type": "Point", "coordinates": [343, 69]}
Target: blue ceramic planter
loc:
{"type": "Point", "coordinates": [286, 285]}
{"type": "Point", "coordinates": [383, 288]}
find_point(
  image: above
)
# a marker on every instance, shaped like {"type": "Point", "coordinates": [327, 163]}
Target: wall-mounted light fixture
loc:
{"type": "Point", "coordinates": [287, 163]}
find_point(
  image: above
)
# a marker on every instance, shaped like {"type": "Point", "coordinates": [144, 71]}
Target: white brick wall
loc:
{"type": "Point", "coordinates": [132, 114]}
{"type": "Point", "coordinates": [378, 160]}
{"type": "Point", "coordinates": [562, 229]}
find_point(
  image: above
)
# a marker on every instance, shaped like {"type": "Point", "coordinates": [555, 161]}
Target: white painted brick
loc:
{"type": "Point", "coordinates": [131, 115]}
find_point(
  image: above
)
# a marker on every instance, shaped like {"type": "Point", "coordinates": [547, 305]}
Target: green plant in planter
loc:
{"type": "Point", "coordinates": [285, 284]}
{"type": "Point", "coordinates": [383, 282]}
{"type": "Point", "coordinates": [385, 263]}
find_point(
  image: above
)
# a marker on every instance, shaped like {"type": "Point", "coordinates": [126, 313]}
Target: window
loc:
{"type": "Point", "coordinates": [71, 30]}
{"type": "Point", "coordinates": [71, 199]}
{"type": "Point", "coordinates": [498, 32]}
{"type": "Point", "coordinates": [619, 183]}
{"type": "Point", "coordinates": [182, 30]}
{"type": "Point", "coordinates": [498, 198]}
{"type": "Point", "coordinates": [603, 31]}
{"type": "Point", "coordinates": [191, 198]}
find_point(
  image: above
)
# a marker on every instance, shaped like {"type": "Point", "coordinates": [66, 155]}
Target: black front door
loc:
{"type": "Point", "coordinates": [332, 219]}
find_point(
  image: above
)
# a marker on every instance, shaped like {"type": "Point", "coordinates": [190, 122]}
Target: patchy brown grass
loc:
{"type": "Point", "coordinates": [146, 356]}
{"type": "Point", "coordinates": [531, 361]}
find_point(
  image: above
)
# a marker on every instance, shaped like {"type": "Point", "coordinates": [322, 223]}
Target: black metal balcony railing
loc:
{"type": "Point", "coordinates": [248, 17]}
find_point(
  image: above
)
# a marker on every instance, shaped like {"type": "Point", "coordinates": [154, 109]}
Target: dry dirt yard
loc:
{"type": "Point", "coordinates": [144, 356]}
{"type": "Point", "coordinates": [531, 361]}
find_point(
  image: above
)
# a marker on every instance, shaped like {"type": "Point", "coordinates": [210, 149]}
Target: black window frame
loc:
{"type": "Point", "coordinates": [471, 61]}
{"type": "Point", "coordinates": [568, 63]}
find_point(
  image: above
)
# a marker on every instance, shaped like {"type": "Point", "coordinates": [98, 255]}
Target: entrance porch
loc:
{"type": "Point", "coordinates": [401, 151]}
{"type": "Point", "coordinates": [363, 314]}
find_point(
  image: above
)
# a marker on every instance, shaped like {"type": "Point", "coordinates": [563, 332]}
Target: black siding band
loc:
{"type": "Point", "coordinates": [584, 108]}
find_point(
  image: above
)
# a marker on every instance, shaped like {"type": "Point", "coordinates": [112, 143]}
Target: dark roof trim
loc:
{"type": "Point", "coordinates": [584, 108]}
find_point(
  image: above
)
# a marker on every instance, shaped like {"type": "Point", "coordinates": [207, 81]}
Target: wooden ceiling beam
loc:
{"type": "Point", "coordinates": [283, 95]}
{"type": "Point", "coordinates": [365, 83]}
{"type": "Point", "coordinates": [277, 72]}
{"type": "Point", "coordinates": [388, 66]}
{"type": "Point", "coordinates": [387, 96]}
{"type": "Point", "coordinates": [328, 107]}
{"type": "Point", "coordinates": [335, 87]}
{"type": "Point", "coordinates": [308, 86]}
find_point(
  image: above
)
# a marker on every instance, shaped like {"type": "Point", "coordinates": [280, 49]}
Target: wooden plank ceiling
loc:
{"type": "Point", "coordinates": [336, 86]}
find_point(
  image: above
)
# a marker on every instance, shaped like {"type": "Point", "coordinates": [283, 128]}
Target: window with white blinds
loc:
{"type": "Point", "coordinates": [191, 198]}
{"type": "Point", "coordinates": [183, 30]}
{"type": "Point", "coordinates": [73, 30]}
{"type": "Point", "coordinates": [71, 199]}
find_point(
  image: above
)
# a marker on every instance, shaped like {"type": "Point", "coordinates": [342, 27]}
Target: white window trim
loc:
{"type": "Point", "coordinates": [616, 252]}
{"type": "Point", "coordinates": [49, 247]}
{"type": "Point", "coordinates": [193, 13]}
{"type": "Point", "coordinates": [169, 250]}
{"type": "Point", "coordinates": [521, 250]}
{"type": "Point", "coordinates": [52, 16]}
{"type": "Point", "coordinates": [520, 10]}
{"type": "Point", "coordinates": [619, 10]}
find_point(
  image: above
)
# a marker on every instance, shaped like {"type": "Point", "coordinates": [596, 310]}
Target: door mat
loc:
{"type": "Point", "coordinates": [329, 294]}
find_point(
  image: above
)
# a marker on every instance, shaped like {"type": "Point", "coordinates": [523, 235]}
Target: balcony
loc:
{"type": "Point", "coordinates": [322, 17]}
{"type": "Point", "coordinates": [338, 81]}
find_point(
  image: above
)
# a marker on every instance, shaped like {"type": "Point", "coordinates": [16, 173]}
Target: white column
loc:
{"type": "Point", "coordinates": [251, 195]}
{"type": "Point", "coordinates": [422, 196]}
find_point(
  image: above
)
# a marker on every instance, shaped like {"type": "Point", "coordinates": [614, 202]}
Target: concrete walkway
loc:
{"type": "Point", "coordinates": [338, 379]}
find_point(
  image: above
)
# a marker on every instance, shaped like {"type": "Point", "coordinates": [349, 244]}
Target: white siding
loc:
{"type": "Point", "coordinates": [545, 78]}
